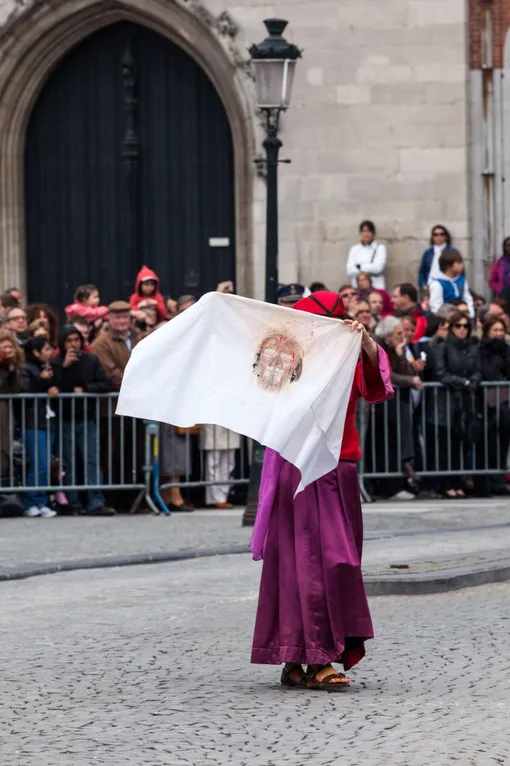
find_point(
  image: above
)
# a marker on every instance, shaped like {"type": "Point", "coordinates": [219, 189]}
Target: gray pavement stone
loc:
{"type": "Point", "coordinates": [35, 541]}
{"type": "Point", "coordinates": [422, 538]}
{"type": "Point", "coordinates": [150, 666]}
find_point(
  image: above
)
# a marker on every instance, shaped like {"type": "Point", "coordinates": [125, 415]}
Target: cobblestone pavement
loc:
{"type": "Point", "coordinates": [149, 667]}
{"type": "Point", "coordinates": [395, 534]}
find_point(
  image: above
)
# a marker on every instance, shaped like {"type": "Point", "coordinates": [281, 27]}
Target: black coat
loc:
{"type": "Point", "coordinates": [10, 383]}
{"type": "Point", "coordinates": [32, 383]}
{"type": "Point", "coordinates": [495, 365]}
{"type": "Point", "coordinates": [457, 365]}
{"type": "Point", "coordinates": [393, 426]}
{"type": "Point", "coordinates": [494, 359]}
{"type": "Point", "coordinates": [429, 348]}
{"type": "Point", "coordinates": [87, 373]}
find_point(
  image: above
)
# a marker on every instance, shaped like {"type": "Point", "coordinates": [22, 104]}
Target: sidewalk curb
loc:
{"type": "Point", "coordinates": [23, 572]}
{"type": "Point", "coordinates": [441, 581]}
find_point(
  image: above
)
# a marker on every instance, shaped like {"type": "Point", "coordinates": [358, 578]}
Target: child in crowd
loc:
{"type": "Point", "coordinates": [451, 283]}
{"type": "Point", "coordinates": [86, 305]}
{"type": "Point", "coordinates": [147, 294]}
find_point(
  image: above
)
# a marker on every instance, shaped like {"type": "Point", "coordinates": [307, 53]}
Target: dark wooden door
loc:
{"type": "Point", "coordinates": [128, 160]}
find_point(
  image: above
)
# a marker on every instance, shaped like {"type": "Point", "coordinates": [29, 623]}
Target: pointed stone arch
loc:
{"type": "Point", "coordinates": [31, 46]}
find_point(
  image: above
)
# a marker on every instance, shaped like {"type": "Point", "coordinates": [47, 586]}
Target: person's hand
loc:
{"type": "Point", "coordinates": [99, 323]}
{"type": "Point", "coordinates": [417, 383]}
{"type": "Point", "coordinates": [225, 287]}
{"type": "Point", "coordinates": [47, 373]}
{"type": "Point", "coordinates": [70, 358]}
{"type": "Point", "coordinates": [78, 390]}
{"type": "Point", "coordinates": [418, 365]}
{"type": "Point", "coordinates": [53, 392]}
{"type": "Point", "coordinates": [136, 314]}
{"type": "Point", "coordinates": [355, 326]}
{"type": "Point", "coordinates": [147, 302]}
{"type": "Point", "coordinates": [400, 348]}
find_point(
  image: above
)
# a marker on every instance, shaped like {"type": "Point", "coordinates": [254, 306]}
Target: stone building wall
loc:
{"type": "Point", "coordinates": [378, 127]}
{"type": "Point", "coordinates": [489, 88]}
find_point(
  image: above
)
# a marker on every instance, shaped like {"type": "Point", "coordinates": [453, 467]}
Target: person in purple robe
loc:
{"type": "Point", "coordinates": [312, 606]}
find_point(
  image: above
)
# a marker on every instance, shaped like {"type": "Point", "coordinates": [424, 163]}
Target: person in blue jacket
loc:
{"type": "Point", "coordinates": [451, 284]}
{"type": "Point", "coordinates": [440, 240]}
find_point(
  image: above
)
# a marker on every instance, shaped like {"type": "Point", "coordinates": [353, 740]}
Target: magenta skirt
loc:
{"type": "Point", "coordinates": [312, 605]}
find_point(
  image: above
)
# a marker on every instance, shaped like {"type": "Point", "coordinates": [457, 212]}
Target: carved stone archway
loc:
{"type": "Point", "coordinates": [32, 44]}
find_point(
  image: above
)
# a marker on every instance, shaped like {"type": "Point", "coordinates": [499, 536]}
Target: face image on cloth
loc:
{"type": "Point", "coordinates": [278, 361]}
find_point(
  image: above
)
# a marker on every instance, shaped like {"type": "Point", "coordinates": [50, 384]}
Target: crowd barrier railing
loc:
{"type": "Point", "coordinates": [442, 431]}
{"type": "Point", "coordinates": [75, 442]}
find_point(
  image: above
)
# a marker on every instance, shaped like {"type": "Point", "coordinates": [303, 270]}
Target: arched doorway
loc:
{"type": "Point", "coordinates": [128, 160]}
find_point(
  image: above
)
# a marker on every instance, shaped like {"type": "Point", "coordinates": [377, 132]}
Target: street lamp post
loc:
{"type": "Point", "coordinates": [274, 61]}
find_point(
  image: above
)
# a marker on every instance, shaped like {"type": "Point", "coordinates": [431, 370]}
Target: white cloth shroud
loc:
{"type": "Point", "coordinates": [280, 376]}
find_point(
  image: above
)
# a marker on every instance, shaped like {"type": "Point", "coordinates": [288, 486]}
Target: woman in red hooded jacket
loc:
{"type": "Point", "coordinates": [147, 293]}
{"type": "Point", "coordinates": [312, 606]}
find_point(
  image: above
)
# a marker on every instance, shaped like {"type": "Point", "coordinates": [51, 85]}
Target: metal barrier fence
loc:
{"type": "Point", "coordinates": [74, 443]}
{"type": "Point", "coordinates": [442, 431]}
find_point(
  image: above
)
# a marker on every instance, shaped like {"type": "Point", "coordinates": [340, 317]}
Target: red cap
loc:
{"type": "Point", "coordinates": [322, 303]}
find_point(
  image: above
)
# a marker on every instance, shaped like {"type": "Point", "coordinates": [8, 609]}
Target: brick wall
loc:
{"type": "Point", "coordinates": [500, 10]}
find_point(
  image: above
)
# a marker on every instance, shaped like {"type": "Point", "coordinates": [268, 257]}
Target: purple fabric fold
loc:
{"type": "Point", "coordinates": [312, 604]}
{"type": "Point", "coordinates": [271, 470]}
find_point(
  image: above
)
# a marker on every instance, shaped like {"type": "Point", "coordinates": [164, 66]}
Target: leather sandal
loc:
{"type": "Point", "coordinates": [325, 679]}
{"type": "Point", "coordinates": [303, 682]}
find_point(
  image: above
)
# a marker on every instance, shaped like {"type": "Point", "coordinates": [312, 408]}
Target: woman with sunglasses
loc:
{"type": "Point", "coordinates": [458, 369]}
{"type": "Point", "coordinates": [440, 240]}
{"type": "Point", "coordinates": [349, 296]}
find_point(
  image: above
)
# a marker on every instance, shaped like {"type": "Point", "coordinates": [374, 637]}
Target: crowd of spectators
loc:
{"type": "Point", "coordinates": [437, 331]}
{"type": "Point", "coordinates": [64, 438]}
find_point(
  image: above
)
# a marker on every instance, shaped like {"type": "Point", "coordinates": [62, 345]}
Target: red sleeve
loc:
{"type": "Point", "coordinates": [421, 329]}
{"type": "Point", "coordinates": [134, 301]}
{"type": "Point", "coordinates": [162, 312]}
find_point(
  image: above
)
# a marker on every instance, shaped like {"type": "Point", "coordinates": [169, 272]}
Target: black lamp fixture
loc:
{"type": "Point", "coordinates": [274, 62]}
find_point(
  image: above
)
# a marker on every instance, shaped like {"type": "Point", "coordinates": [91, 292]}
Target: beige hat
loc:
{"type": "Point", "coordinates": [119, 307]}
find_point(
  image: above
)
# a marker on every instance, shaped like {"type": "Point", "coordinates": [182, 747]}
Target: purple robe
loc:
{"type": "Point", "coordinates": [312, 604]}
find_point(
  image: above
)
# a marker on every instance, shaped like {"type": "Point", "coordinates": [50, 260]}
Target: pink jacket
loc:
{"type": "Point", "coordinates": [90, 313]}
{"type": "Point", "coordinates": [496, 277]}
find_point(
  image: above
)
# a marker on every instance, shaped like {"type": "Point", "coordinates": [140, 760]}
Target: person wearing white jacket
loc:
{"type": "Point", "coordinates": [368, 256]}
{"type": "Point", "coordinates": [220, 445]}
